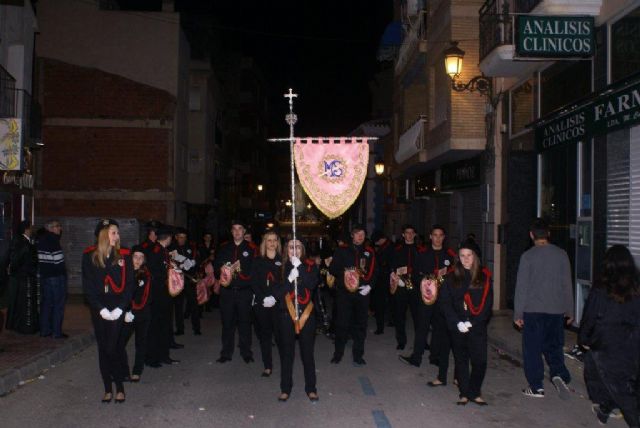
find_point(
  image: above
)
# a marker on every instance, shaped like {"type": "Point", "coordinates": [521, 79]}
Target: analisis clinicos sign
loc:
{"type": "Point", "coordinates": [554, 36]}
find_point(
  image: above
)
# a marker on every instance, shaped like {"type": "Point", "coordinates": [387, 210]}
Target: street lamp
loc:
{"type": "Point", "coordinates": [453, 57]}
{"type": "Point", "coordinates": [260, 187]}
{"type": "Point", "coordinates": [379, 166]}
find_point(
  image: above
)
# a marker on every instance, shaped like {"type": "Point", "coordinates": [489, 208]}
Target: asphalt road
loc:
{"type": "Point", "coordinates": [202, 393]}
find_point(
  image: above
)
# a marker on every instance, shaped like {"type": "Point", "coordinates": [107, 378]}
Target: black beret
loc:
{"type": "Point", "coordinates": [164, 231]}
{"type": "Point", "coordinates": [104, 223]}
{"type": "Point", "coordinates": [358, 226]}
{"type": "Point", "coordinates": [239, 222]}
{"type": "Point", "coordinates": [470, 244]}
{"type": "Point", "coordinates": [137, 249]}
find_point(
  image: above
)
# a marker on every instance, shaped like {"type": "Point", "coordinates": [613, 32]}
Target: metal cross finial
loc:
{"type": "Point", "coordinates": [291, 96]}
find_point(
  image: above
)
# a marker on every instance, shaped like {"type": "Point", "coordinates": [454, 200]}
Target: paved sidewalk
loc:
{"type": "Point", "coordinates": [25, 357]}
{"type": "Point", "coordinates": [507, 341]}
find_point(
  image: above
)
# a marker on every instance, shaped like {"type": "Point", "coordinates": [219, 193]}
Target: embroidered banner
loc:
{"type": "Point", "coordinates": [10, 144]}
{"type": "Point", "coordinates": [332, 171]}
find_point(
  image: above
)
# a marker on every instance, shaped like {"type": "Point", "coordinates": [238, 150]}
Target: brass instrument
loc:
{"type": "Point", "coordinates": [330, 279]}
{"type": "Point", "coordinates": [228, 272]}
{"type": "Point", "coordinates": [407, 281]}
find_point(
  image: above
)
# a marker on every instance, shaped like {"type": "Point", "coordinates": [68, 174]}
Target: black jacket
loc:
{"type": "Point", "coordinates": [23, 258]}
{"type": "Point", "coordinates": [265, 276]}
{"type": "Point", "coordinates": [108, 287]}
{"type": "Point", "coordinates": [229, 252]}
{"type": "Point", "coordinates": [308, 279]}
{"type": "Point", "coordinates": [454, 301]}
{"type": "Point", "coordinates": [141, 297]}
{"type": "Point", "coordinates": [358, 256]}
{"type": "Point", "coordinates": [157, 261]}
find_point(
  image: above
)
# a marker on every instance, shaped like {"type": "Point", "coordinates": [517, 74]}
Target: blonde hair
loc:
{"type": "Point", "coordinates": [103, 249]}
{"type": "Point", "coordinates": [263, 244]}
{"type": "Point", "coordinates": [285, 256]}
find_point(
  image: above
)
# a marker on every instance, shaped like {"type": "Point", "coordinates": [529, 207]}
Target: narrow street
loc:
{"type": "Point", "coordinates": [201, 393]}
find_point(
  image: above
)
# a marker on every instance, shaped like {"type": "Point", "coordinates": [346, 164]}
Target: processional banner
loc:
{"type": "Point", "coordinates": [10, 144]}
{"type": "Point", "coordinates": [332, 171]}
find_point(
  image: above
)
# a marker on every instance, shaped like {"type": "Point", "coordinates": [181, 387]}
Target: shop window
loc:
{"type": "Point", "coordinates": [522, 106]}
{"type": "Point", "coordinates": [625, 46]}
{"type": "Point", "coordinates": [563, 83]}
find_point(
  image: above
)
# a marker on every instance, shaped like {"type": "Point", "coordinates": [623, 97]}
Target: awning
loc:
{"type": "Point", "coordinates": [390, 41]}
{"type": "Point", "coordinates": [410, 141]}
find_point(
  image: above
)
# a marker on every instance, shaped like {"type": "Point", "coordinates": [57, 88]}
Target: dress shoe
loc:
{"type": "Point", "coordinates": [170, 361]}
{"type": "Point", "coordinates": [400, 346]}
{"type": "Point", "coordinates": [135, 378]}
{"type": "Point", "coordinates": [378, 332]}
{"type": "Point", "coordinates": [359, 361]}
{"type": "Point", "coordinates": [223, 360]}
{"type": "Point", "coordinates": [313, 396]}
{"type": "Point", "coordinates": [336, 359]}
{"type": "Point", "coordinates": [408, 360]}
{"type": "Point", "coordinates": [283, 397]}
{"type": "Point", "coordinates": [108, 396]}
{"type": "Point", "coordinates": [248, 359]}
{"type": "Point", "coordinates": [120, 397]}
{"type": "Point", "coordinates": [435, 383]}
{"type": "Point", "coordinates": [176, 346]}
{"type": "Point", "coordinates": [266, 373]}
{"type": "Point", "coordinates": [153, 364]}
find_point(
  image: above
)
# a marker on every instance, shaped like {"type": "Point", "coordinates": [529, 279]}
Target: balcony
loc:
{"type": "Point", "coordinates": [413, 41]}
{"type": "Point", "coordinates": [7, 94]}
{"type": "Point", "coordinates": [497, 20]}
{"type": "Point", "coordinates": [18, 103]}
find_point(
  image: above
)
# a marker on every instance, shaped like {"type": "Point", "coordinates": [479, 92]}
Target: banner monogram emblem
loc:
{"type": "Point", "coordinates": [332, 174]}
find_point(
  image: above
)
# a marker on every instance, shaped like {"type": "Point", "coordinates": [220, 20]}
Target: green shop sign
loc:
{"type": "Point", "coordinates": [554, 36]}
{"type": "Point", "coordinates": [615, 109]}
{"type": "Point", "coordinates": [464, 173]}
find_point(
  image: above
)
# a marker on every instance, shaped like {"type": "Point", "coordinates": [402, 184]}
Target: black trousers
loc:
{"type": "Point", "coordinates": [110, 351]}
{"type": "Point", "coordinates": [160, 333]}
{"type": "Point", "coordinates": [192, 310]}
{"type": "Point", "coordinates": [380, 300]}
{"type": "Point", "coordinates": [178, 310]}
{"type": "Point", "coordinates": [235, 311]}
{"type": "Point", "coordinates": [286, 340]}
{"type": "Point", "coordinates": [422, 315]}
{"type": "Point", "coordinates": [470, 349]}
{"type": "Point", "coordinates": [139, 326]}
{"type": "Point", "coordinates": [440, 343]}
{"type": "Point", "coordinates": [265, 319]}
{"type": "Point", "coordinates": [351, 318]}
{"type": "Point", "coordinates": [404, 299]}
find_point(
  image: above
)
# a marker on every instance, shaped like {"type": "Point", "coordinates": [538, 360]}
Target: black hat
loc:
{"type": "Point", "coordinates": [137, 249]}
{"type": "Point", "coordinates": [152, 225]}
{"type": "Point", "coordinates": [164, 231]}
{"type": "Point", "coordinates": [238, 222]}
{"type": "Point", "coordinates": [470, 244]}
{"type": "Point", "coordinates": [180, 230]}
{"type": "Point", "coordinates": [357, 227]}
{"type": "Point", "coordinates": [104, 223]}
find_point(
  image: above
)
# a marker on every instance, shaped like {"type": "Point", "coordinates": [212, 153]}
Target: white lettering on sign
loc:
{"type": "Point", "coordinates": [570, 128]}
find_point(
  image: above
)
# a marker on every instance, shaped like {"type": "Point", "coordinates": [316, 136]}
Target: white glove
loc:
{"type": "Point", "coordinates": [401, 283]}
{"type": "Point", "coordinates": [467, 324]}
{"type": "Point", "coordinates": [106, 315]}
{"type": "Point", "coordinates": [188, 264]}
{"type": "Point", "coordinates": [293, 274]}
{"type": "Point", "coordinates": [364, 289]}
{"type": "Point", "coordinates": [115, 314]}
{"type": "Point", "coordinates": [462, 327]}
{"type": "Point", "coordinates": [178, 257]}
{"type": "Point", "coordinates": [268, 301]}
{"type": "Point", "coordinates": [128, 317]}
{"type": "Point", "coordinates": [295, 261]}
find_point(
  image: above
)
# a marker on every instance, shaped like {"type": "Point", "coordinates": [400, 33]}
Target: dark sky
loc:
{"type": "Point", "coordinates": [324, 49]}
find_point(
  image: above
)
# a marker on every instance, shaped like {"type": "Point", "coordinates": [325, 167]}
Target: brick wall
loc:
{"type": "Point", "coordinates": [101, 208]}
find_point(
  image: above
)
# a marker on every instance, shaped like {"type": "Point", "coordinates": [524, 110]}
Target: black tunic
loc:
{"type": "Point", "coordinates": [22, 311]}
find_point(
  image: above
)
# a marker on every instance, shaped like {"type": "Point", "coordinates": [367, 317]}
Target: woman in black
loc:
{"type": "Point", "coordinates": [107, 282]}
{"type": "Point", "coordinates": [466, 299]}
{"type": "Point", "coordinates": [266, 274]}
{"type": "Point", "coordinates": [138, 319]}
{"type": "Point", "coordinates": [306, 276]}
{"type": "Point", "coordinates": [610, 329]}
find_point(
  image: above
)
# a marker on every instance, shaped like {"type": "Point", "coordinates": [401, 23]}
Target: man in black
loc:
{"type": "Point", "coordinates": [405, 279]}
{"type": "Point", "coordinates": [380, 295]}
{"type": "Point", "coordinates": [353, 306]}
{"type": "Point", "coordinates": [185, 254]}
{"type": "Point", "coordinates": [234, 260]}
{"type": "Point", "coordinates": [160, 330]}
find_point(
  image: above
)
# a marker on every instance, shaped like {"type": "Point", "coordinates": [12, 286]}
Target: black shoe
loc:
{"type": "Point", "coordinates": [336, 359]}
{"type": "Point", "coordinates": [153, 364]}
{"type": "Point", "coordinates": [62, 336]}
{"type": "Point", "coordinates": [378, 332]}
{"type": "Point", "coordinates": [170, 361]}
{"type": "Point", "coordinates": [248, 359]}
{"type": "Point", "coordinates": [176, 345]}
{"type": "Point", "coordinates": [408, 360]}
{"type": "Point", "coordinates": [602, 416]}
{"type": "Point", "coordinates": [127, 379]}
{"type": "Point", "coordinates": [120, 398]}
{"type": "Point", "coordinates": [283, 397]}
{"type": "Point", "coordinates": [400, 346]}
{"type": "Point", "coordinates": [436, 383]}
{"type": "Point", "coordinates": [359, 361]}
{"type": "Point", "coordinates": [108, 396]}
{"type": "Point", "coordinates": [266, 373]}
{"type": "Point", "coordinates": [223, 360]}
{"type": "Point", "coordinates": [178, 333]}
{"type": "Point", "coordinates": [197, 333]}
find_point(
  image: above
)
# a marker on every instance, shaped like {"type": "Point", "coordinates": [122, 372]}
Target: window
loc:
{"type": "Point", "coordinates": [523, 106]}
{"type": "Point", "coordinates": [625, 46]}
{"type": "Point", "coordinates": [563, 83]}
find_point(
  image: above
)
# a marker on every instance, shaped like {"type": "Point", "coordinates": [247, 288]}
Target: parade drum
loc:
{"type": "Point", "coordinates": [202, 292]}
{"type": "Point", "coordinates": [351, 280]}
{"type": "Point", "coordinates": [429, 290]}
{"type": "Point", "coordinates": [175, 282]}
{"type": "Point", "coordinates": [225, 275]}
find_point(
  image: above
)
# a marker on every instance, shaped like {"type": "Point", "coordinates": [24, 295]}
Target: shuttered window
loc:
{"type": "Point", "coordinates": [634, 198]}
{"type": "Point", "coordinates": [618, 188]}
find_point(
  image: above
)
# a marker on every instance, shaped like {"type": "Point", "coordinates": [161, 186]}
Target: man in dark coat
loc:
{"type": "Point", "coordinates": [22, 314]}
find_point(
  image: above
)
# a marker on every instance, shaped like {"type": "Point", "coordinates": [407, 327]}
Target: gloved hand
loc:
{"type": "Point", "coordinates": [462, 327]}
{"type": "Point", "coordinates": [188, 264]}
{"type": "Point", "coordinates": [128, 317]}
{"type": "Point", "coordinates": [364, 289]}
{"type": "Point", "coordinates": [115, 314]}
{"type": "Point", "coordinates": [106, 315]}
{"type": "Point", "coordinates": [467, 324]}
{"type": "Point", "coordinates": [401, 283]}
{"type": "Point", "coordinates": [268, 301]}
{"type": "Point", "coordinates": [295, 261]}
{"type": "Point", "coordinates": [293, 274]}
{"type": "Point", "coordinates": [178, 257]}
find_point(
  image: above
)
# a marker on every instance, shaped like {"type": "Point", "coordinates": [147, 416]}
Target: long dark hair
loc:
{"type": "Point", "coordinates": [477, 275]}
{"type": "Point", "coordinates": [619, 277]}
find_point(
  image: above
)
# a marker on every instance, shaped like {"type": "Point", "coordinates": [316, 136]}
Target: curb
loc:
{"type": "Point", "coordinates": [14, 378]}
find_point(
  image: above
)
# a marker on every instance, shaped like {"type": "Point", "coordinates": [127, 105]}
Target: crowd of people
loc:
{"type": "Point", "coordinates": [290, 291]}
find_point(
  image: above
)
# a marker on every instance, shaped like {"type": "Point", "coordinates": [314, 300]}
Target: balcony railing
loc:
{"type": "Point", "coordinates": [496, 26]}
{"type": "Point", "coordinates": [525, 6]}
{"type": "Point", "coordinates": [417, 32]}
{"type": "Point", "coordinates": [7, 94]}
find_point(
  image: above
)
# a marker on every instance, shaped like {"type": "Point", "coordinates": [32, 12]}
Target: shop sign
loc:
{"type": "Point", "coordinates": [569, 128]}
{"type": "Point", "coordinates": [10, 144]}
{"type": "Point", "coordinates": [23, 181]}
{"type": "Point", "coordinates": [554, 36]}
{"type": "Point", "coordinates": [465, 173]}
{"type": "Point", "coordinates": [620, 109]}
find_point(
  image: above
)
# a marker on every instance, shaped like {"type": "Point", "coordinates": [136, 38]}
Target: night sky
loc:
{"type": "Point", "coordinates": [325, 50]}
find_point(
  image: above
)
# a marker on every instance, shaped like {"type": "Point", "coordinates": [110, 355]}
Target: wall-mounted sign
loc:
{"type": "Point", "coordinates": [619, 109]}
{"type": "Point", "coordinates": [10, 144]}
{"type": "Point", "coordinates": [554, 36]}
{"type": "Point", "coordinates": [464, 173]}
{"type": "Point", "coordinates": [569, 128]}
